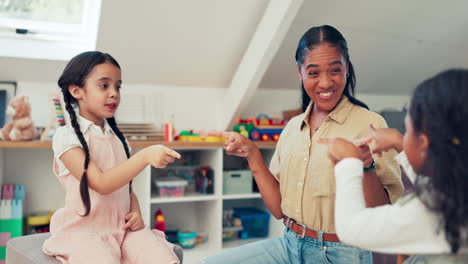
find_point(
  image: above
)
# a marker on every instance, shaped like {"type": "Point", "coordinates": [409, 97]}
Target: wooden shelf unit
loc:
{"type": "Point", "coordinates": [195, 212]}
{"type": "Point", "coordinates": [133, 144]}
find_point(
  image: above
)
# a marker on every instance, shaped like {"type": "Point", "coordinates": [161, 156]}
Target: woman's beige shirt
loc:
{"type": "Point", "coordinates": [306, 174]}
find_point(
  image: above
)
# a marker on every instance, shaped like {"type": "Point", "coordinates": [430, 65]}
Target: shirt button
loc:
{"type": "Point", "coordinates": [297, 210]}
{"type": "Point", "coordinates": [300, 184]}
{"type": "Point", "coordinates": [305, 159]}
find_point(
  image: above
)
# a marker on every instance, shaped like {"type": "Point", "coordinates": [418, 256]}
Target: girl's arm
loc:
{"type": "Point", "coordinates": [239, 145]}
{"type": "Point", "coordinates": [374, 191]}
{"type": "Point", "coordinates": [134, 204]}
{"type": "Point", "coordinates": [373, 188]}
{"type": "Point", "coordinates": [267, 184]}
{"type": "Point", "coordinates": [133, 220]}
{"type": "Point", "coordinates": [387, 141]}
{"type": "Point", "coordinates": [105, 182]}
{"type": "Point", "coordinates": [407, 227]}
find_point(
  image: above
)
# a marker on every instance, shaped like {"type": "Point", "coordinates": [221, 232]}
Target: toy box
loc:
{"type": "Point", "coordinates": [255, 222]}
{"type": "Point", "coordinates": [171, 186]}
{"type": "Point", "coordinates": [187, 239]}
{"type": "Point", "coordinates": [184, 172]}
{"type": "Point", "coordinates": [231, 225]}
{"type": "Point", "coordinates": [237, 181]}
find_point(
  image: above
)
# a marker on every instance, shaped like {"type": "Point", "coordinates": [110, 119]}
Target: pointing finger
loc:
{"type": "Point", "coordinates": [372, 129]}
{"type": "Point", "coordinates": [173, 153]}
{"type": "Point", "coordinates": [362, 141]}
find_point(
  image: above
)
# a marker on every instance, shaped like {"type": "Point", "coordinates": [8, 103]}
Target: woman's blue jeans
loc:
{"type": "Point", "coordinates": [292, 249]}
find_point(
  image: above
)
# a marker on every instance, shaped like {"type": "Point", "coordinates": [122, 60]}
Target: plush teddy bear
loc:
{"type": "Point", "coordinates": [22, 126]}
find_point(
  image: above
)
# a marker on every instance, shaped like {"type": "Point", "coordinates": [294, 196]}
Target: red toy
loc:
{"type": "Point", "coordinates": [159, 221]}
{"type": "Point", "coordinates": [261, 128]}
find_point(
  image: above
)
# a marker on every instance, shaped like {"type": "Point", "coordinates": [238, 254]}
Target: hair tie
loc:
{"type": "Point", "coordinates": [456, 141]}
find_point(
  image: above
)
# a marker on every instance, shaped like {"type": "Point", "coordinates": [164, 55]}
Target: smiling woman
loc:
{"type": "Point", "coordinates": [299, 186]}
{"type": "Point", "coordinates": [329, 42]}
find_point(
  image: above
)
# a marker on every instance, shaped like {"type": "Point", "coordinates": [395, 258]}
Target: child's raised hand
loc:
{"type": "Point", "coordinates": [160, 156]}
{"type": "Point", "coordinates": [339, 148]}
{"type": "Point", "coordinates": [133, 221]}
{"type": "Point", "coordinates": [238, 145]}
{"type": "Point", "coordinates": [386, 139]}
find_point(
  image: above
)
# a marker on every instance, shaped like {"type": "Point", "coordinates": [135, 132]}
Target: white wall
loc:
{"type": "Point", "coordinates": [378, 103]}
{"type": "Point", "coordinates": [200, 108]}
{"type": "Point", "coordinates": [273, 101]}
{"type": "Point", "coordinates": [192, 107]}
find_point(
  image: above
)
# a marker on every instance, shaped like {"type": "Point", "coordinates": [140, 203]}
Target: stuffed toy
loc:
{"type": "Point", "coordinates": [22, 126]}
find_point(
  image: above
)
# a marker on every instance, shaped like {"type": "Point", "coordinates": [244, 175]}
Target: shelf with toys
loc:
{"type": "Point", "coordinates": [193, 193]}
{"type": "Point", "coordinates": [47, 144]}
{"type": "Point", "coordinates": [201, 210]}
{"type": "Point", "coordinates": [197, 209]}
{"type": "Point", "coordinates": [195, 212]}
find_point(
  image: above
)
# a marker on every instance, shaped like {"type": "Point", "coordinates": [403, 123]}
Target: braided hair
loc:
{"type": "Point", "coordinates": [75, 73]}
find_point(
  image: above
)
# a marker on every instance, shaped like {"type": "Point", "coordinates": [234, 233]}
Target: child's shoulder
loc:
{"type": "Point", "coordinates": [63, 132]}
{"type": "Point", "coordinates": [64, 138]}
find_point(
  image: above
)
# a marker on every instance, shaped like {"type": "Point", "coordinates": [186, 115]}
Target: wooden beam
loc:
{"type": "Point", "coordinates": [266, 41]}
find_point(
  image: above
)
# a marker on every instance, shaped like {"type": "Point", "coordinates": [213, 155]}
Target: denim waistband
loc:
{"type": "Point", "coordinates": [319, 241]}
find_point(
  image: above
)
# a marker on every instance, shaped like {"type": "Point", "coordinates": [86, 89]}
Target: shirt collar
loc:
{"type": "Point", "coordinates": [86, 124]}
{"type": "Point", "coordinates": [339, 114]}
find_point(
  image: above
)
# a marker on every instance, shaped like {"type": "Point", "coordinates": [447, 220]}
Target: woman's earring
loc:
{"type": "Point", "coordinates": [347, 74]}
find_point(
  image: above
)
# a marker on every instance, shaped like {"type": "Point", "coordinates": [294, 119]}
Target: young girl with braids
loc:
{"type": "Point", "coordinates": [101, 221]}
{"type": "Point", "coordinates": [432, 223]}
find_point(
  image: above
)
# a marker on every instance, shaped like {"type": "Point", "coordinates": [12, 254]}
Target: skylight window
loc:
{"type": "Point", "coordinates": [48, 29]}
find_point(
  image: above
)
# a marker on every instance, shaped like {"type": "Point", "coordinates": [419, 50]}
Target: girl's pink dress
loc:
{"type": "Point", "coordinates": [98, 237]}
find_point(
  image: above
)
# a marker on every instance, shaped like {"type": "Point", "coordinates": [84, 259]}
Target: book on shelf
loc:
{"type": "Point", "coordinates": [141, 131]}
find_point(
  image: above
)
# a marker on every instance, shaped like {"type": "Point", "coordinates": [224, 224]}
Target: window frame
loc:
{"type": "Point", "coordinates": [70, 39]}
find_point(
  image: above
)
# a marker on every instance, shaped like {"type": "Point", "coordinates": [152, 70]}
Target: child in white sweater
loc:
{"type": "Point", "coordinates": [434, 154]}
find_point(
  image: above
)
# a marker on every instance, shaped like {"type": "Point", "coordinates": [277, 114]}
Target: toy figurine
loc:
{"type": "Point", "coordinates": [204, 180]}
{"type": "Point", "coordinates": [159, 221]}
{"type": "Point", "coordinates": [22, 125]}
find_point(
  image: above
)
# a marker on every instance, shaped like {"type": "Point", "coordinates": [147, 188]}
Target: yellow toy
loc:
{"type": "Point", "coordinates": [189, 136]}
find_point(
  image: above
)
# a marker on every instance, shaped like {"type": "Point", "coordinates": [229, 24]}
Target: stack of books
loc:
{"type": "Point", "coordinates": [141, 131]}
